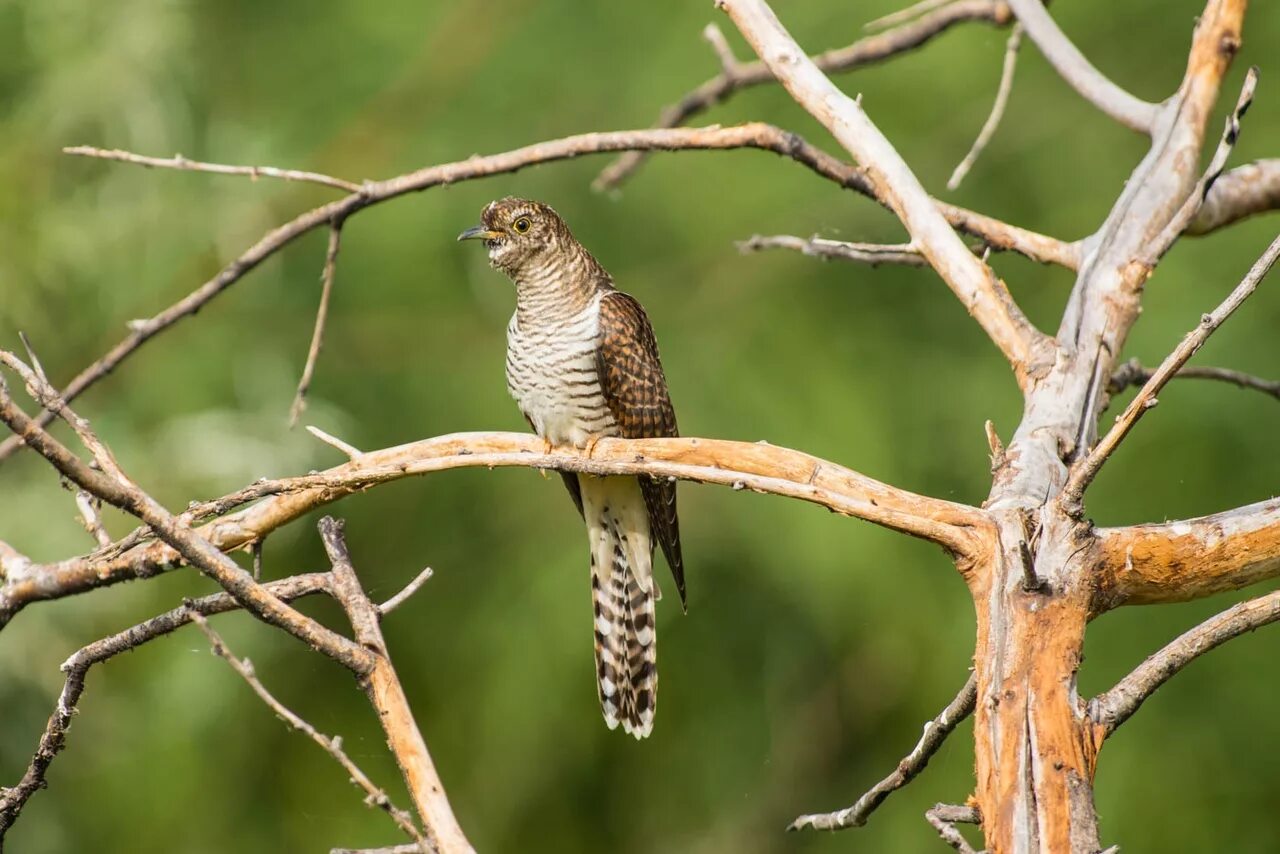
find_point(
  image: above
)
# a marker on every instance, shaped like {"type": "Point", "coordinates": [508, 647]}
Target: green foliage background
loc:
{"type": "Point", "coordinates": [814, 646]}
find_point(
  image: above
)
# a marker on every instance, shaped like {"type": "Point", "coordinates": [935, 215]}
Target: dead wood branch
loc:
{"type": "Point", "coordinates": [1188, 559]}
{"type": "Point", "coordinates": [322, 314]}
{"type": "Point", "coordinates": [1071, 64]}
{"type": "Point", "coordinates": [184, 164]}
{"type": "Point", "coordinates": [1145, 399]}
{"type": "Point", "coordinates": [997, 110]}
{"type": "Point", "coordinates": [961, 529]}
{"type": "Point", "coordinates": [1112, 708]}
{"type": "Point", "coordinates": [374, 796]}
{"type": "Point", "coordinates": [76, 668]}
{"type": "Point", "coordinates": [945, 817]}
{"type": "Point", "coordinates": [736, 76]}
{"type": "Point", "coordinates": [872, 254]}
{"type": "Point", "coordinates": [384, 691]}
{"type": "Point", "coordinates": [1241, 192]}
{"type": "Point", "coordinates": [935, 733]}
{"type": "Point", "coordinates": [1133, 373]}
{"type": "Point", "coordinates": [984, 296]}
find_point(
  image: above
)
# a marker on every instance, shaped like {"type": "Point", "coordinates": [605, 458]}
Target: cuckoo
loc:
{"type": "Point", "coordinates": [582, 364]}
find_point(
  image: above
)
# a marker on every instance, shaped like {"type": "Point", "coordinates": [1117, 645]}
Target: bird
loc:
{"type": "Point", "coordinates": [582, 364]}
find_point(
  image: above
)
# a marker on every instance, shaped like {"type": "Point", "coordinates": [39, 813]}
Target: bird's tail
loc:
{"type": "Point", "coordinates": [623, 594]}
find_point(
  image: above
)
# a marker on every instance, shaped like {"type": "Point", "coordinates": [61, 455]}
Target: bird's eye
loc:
{"type": "Point", "coordinates": [522, 225]}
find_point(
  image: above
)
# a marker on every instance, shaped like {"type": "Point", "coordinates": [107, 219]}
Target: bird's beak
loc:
{"type": "Point", "coordinates": [479, 232]}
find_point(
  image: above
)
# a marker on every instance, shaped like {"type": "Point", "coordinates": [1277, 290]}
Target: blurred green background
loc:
{"type": "Point", "coordinates": [814, 647]}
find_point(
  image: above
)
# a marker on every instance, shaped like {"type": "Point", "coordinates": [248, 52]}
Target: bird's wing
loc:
{"type": "Point", "coordinates": [635, 391]}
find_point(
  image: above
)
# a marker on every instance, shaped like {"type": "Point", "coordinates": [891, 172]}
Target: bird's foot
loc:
{"type": "Point", "coordinates": [590, 448]}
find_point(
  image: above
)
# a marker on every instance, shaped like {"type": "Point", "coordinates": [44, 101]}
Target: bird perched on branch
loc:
{"type": "Point", "coordinates": [582, 364]}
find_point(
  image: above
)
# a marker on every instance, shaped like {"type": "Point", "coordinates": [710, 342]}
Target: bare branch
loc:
{"type": "Point", "coordinates": [915, 10]}
{"type": "Point", "coordinates": [1239, 193]}
{"type": "Point", "coordinates": [120, 492]}
{"type": "Point", "coordinates": [1083, 474]}
{"type": "Point", "coordinates": [1187, 213]}
{"type": "Point", "coordinates": [384, 691]}
{"type": "Point", "coordinates": [1066, 58]}
{"type": "Point", "coordinates": [1112, 708]}
{"type": "Point", "coordinates": [322, 313]}
{"type": "Point", "coordinates": [997, 109]}
{"type": "Point", "coordinates": [333, 441]}
{"type": "Point", "coordinates": [737, 76]}
{"type": "Point", "coordinates": [1188, 559]}
{"type": "Point", "coordinates": [12, 800]}
{"type": "Point", "coordinates": [874, 254]}
{"type": "Point", "coordinates": [88, 506]}
{"type": "Point", "coordinates": [1133, 372]}
{"type": "Point", "coordinates": [374, 796]}
{"type": "Point", "coordinates": [984, 296]}
{"type": "Point", "coordinates": [403, 596]}
{"type": "Point", "coordinates": [945, 817]}
{"type": "Point", "coordinates": [1002, 237]}
{"type": "Point", "coordinates": [935, 733]}
{"type": "Point", "coordinates": [182, 163]}
{"type": "Point", "coordinates": [961, 529]}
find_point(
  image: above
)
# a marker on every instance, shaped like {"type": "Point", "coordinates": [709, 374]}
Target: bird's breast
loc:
{"type": "Point", "coordinates": [551, 372]}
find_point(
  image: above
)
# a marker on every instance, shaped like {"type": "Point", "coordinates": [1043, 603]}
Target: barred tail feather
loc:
{"type": "Point", "coordinates": [623, 595]}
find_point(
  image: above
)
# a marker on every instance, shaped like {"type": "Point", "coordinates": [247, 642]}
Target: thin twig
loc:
{"type": "Point", "coordinates": [1241, 192]}
{"type": "Point", "coordinates": [1200, 192]}
{"type": "Point", "coordinates": [1096, 88]}
{"type": "Point", "coordinates": [945, 817]}
{"type": "Point", "coordinates": [186, 165]}
{"type": "Point", "coordinates": [88, 506]}
{"type": "Point", "coordinates": [1133, 373]}
{"type": "Point", "coordinates": [76, 668]}
{"type": "Point", "coordinates": [382, 686]}
{"type": "Point", "coordinates": [409, 589]}
{"type": "Point", "coordinates": [374, 796]}
{"type": "Point", "coordinates": [1115, 706]}
{"type": "Point", "coordinates": [935, 733]}
{"type": "Point", "coordinates": [983, 294]}
{"type": "Point", "coordinates": [915, 10]}
{"type": "Point", "coordinates": [997, 109]}
{"type": "Point", "coordinates": [1085, 471]}
{"type": "Point", "coordinates": [114, 487]}
{"type": "Point", "coordinates": [874, 254]}
{"type": "Point", "coordinates": [322, 313]}
{"type": "Point", "coordinates": [744, 75]}
{"type": "Point", "coordinates": [333, 441]}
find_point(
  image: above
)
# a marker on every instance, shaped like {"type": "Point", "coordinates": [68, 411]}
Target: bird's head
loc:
{"type": "Point", "coordinates": [520, 234]}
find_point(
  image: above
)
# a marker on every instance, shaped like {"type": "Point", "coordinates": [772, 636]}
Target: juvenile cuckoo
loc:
{"type": "Point", "coordinates": [582, 364]}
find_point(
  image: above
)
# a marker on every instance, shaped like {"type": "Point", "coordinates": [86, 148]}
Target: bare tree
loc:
{"type": "Point", "coordinates": [1037, 568]}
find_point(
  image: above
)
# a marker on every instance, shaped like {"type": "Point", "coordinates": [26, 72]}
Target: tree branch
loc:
{"type": "Point", "coordinates": [1133, 372]}
{"type": "Point", "coordinates": [736, 76]}
{"type": "Point", "coordinates": [1070, 63]}
{"type": "Point", "coordinates": [181, 163]}
{"type": "Point", "coordinates": [1239, 193]}
{"type": "Point", "coordinates": [76, 668]}
{"type": "Point", "coordinates": [873, 254]}
{"type": "Point", "coordinates": [945, 817]}
{"type": "Point", "coordinates": [935, 733]}
{"type": "Point", "coordinates": [384, 691]}
{"type": "Point", "coordinates": [1188, 559]}
{"type": "Point", "coordinates": [374, 796]}
{"type": "Point", "coordinates": [983, 295]}
{"type": "Point", "coordinates": [322, 313]}
{"type": "Point", "coordinates": [117, 490]}
{"type": "Point", "coordinates": [997, 110]}
{"type": "Point", "coordinates": [959, 528]}
{"type": "Point", "coordinates": [1112, 708]}
{"type": "Point", "coordinates": [1145, 399]}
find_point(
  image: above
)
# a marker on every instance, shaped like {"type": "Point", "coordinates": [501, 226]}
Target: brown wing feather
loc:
{"type": "Point", "coordinates": [635, 390]}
